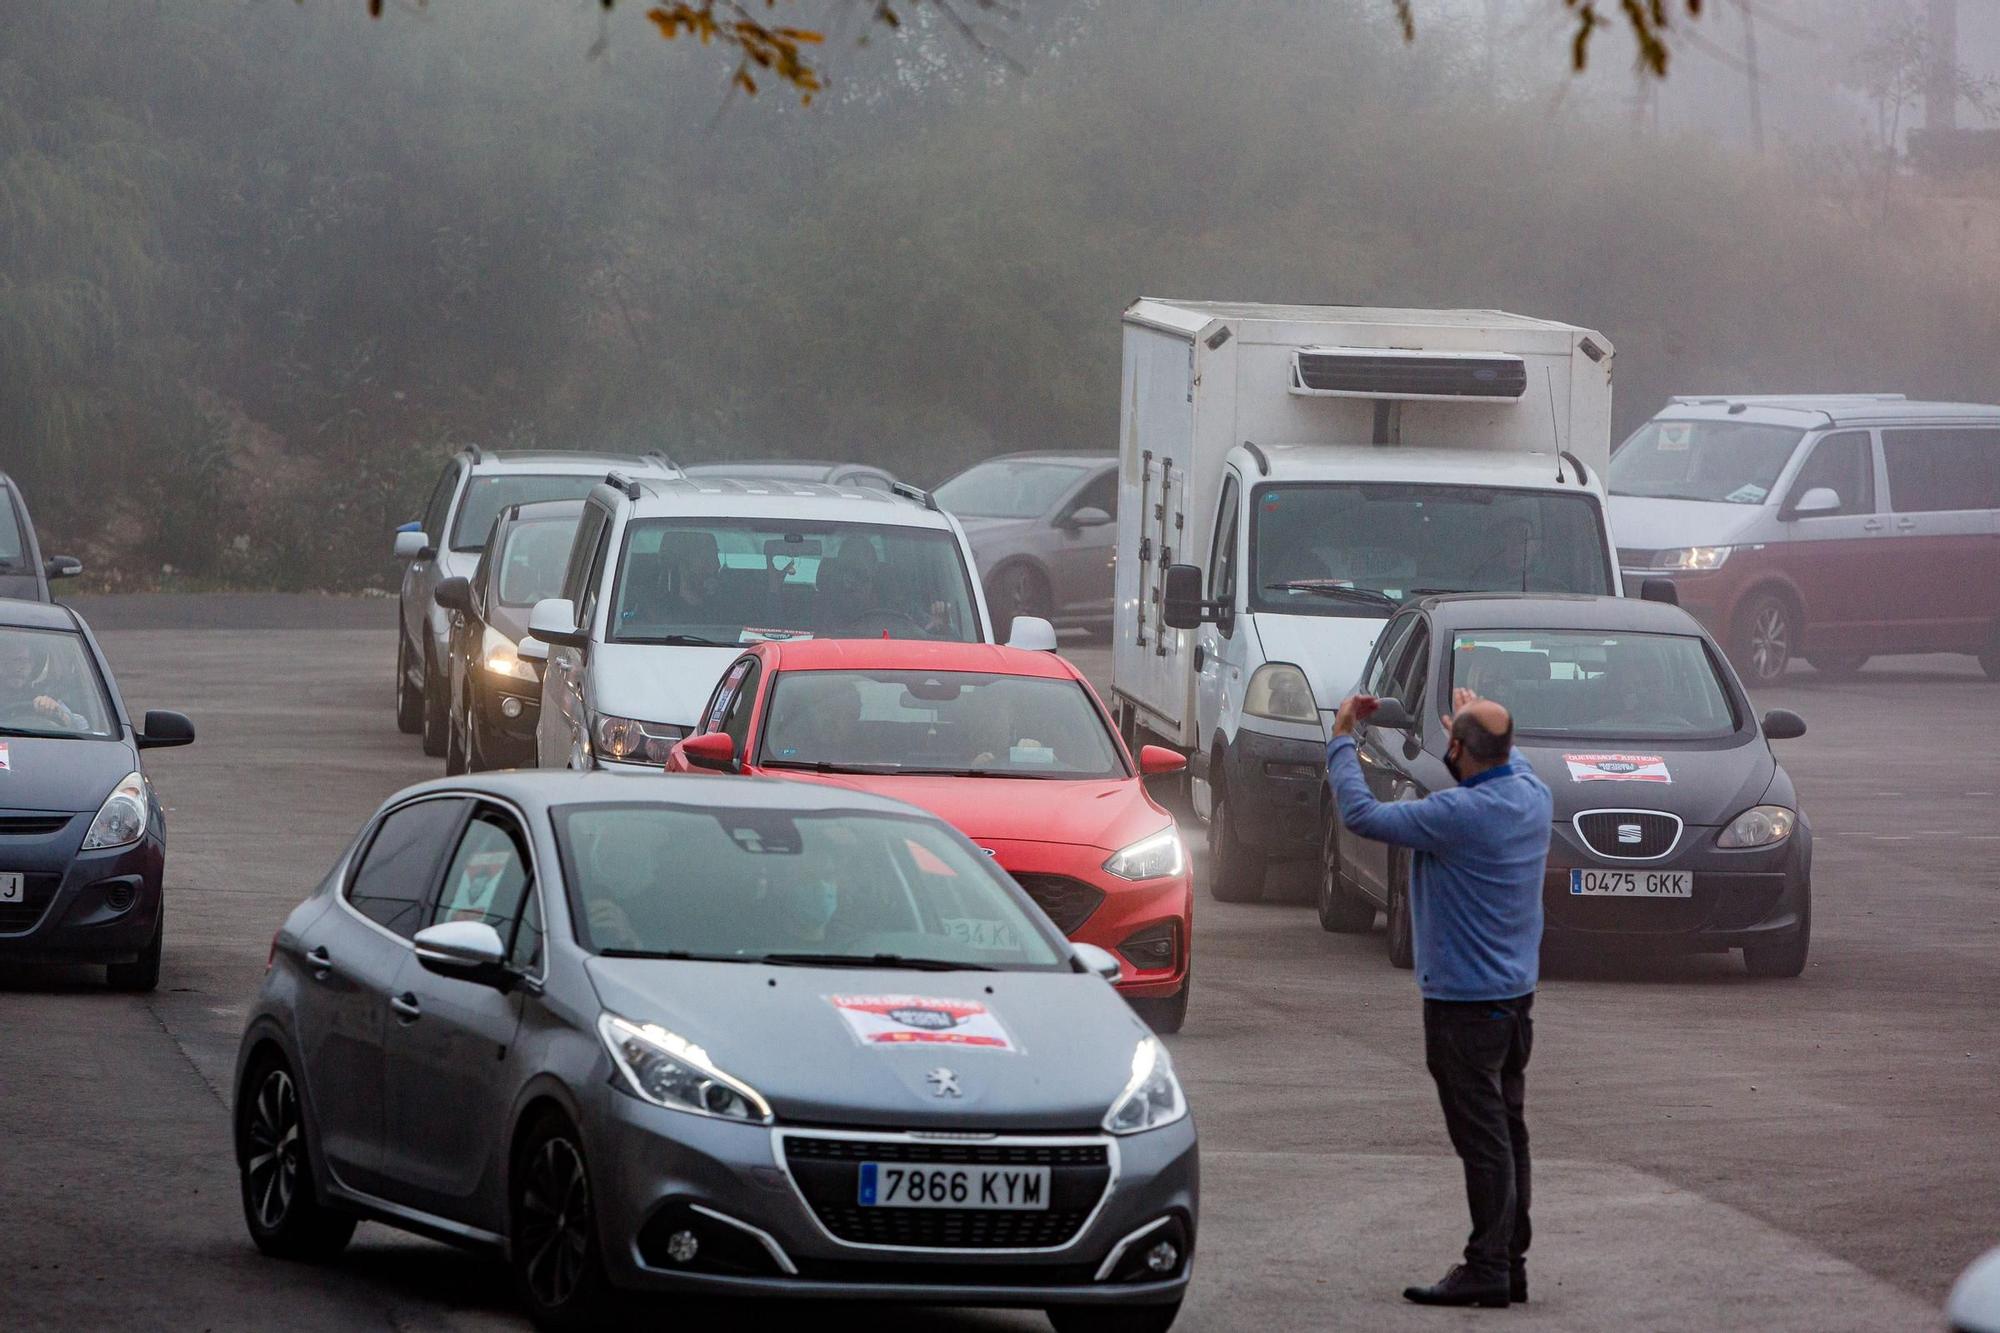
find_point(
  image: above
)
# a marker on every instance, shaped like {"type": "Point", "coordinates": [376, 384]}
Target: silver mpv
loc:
{"type": "Point", "coordinates": [717, 1036]}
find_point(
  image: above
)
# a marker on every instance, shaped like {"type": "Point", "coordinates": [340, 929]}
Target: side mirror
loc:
{"type": "Point", "coordinates": [453, 594]}
{"type": "Point", "coordinates": [162, 729]}
{"type": "Point", "coordinates": [712, 750]}
{"type": "Point", "coordinates": [531, 650]}
{"type": "Point", "coordinates": [413, 546]}
{"type": "Point", "coordinates": [1090, 516]}
{"type": "Point", "coordinates": [468, 950]}
{"type": "Point", "coordinates": [1182, 595]}
{"type": "Point", "coordinates": [62, 567]}
{"type": "Point", "coordinates": [1157, 759]}
{"type": "Point", "coordinates": [553, 621]}
{"type": "Point", "coordinates": [1032, 633]}
{"type": "Point", "coordinates": [1818, 500]}
{"type": "Point", "coordinates": [1390, 715]}
{"type": "Point", "coordinates": [1101, 961]}
{"type": "Point", "coordinates": [1782, 724]}
{"type": "Point", "coordinates": [1659, 590]}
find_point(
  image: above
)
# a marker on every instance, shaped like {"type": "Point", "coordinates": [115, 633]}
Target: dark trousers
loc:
{"type": "Point", "coordinates": [1478, 1054]}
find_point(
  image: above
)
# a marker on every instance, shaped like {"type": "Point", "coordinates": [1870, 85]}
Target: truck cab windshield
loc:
{"type": "Point", "coordinates": [1361, 549]}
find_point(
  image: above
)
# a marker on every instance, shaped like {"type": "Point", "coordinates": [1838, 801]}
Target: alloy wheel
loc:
{"type": "Point", "coordinates": [1770, 641]}
{"type": "Point", "coordinates": [272, 1163]}
{"type": "Point", "coordinates": [555, 1222]}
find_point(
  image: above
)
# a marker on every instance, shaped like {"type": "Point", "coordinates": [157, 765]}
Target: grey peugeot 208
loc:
{"type": "Point", "coordinates": [734, 1037]}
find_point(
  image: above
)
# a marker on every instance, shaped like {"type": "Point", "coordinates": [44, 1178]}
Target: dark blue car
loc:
{"type": "Point", "coordinates": [82, 838]}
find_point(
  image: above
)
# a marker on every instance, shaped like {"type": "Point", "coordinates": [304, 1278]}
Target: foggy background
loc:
{"type": "Point", "coordinates": [263, 264]}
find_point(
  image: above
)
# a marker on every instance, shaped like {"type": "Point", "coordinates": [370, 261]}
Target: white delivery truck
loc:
{"type": "Point", "coordinates": [1288, 477]}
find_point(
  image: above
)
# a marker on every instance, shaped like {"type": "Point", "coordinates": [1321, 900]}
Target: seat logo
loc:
{"type": "Point", "coordinates": [944, 1083]}
{"type": "Point", "coordinates": [1628, 834]}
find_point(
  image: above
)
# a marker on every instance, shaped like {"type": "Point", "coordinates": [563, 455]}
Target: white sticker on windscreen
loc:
{"type": "Point", "coordinates": [1617, 768]}
{"type": "Point", "coordinates": [6, 765]}
{"type": "Point", "coordinates": [922, 1020]}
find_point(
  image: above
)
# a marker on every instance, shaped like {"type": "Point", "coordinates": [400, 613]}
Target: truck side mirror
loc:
{"type": "Point", "coordinates": [1183, 597]}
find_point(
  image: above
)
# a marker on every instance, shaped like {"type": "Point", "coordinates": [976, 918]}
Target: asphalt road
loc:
{"type": "Point", "coordinates": [1713, 1152]}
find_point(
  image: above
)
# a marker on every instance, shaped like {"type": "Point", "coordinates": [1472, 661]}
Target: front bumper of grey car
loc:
{"type": "Point", "coordinates": [78, 906]}
{"type": "Point", "coordinates": [1742, 897]}
{"type": "Point", "coordinates": [696, 1203]}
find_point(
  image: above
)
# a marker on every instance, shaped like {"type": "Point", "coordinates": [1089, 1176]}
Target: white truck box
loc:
{"type": "Point", "coordinates": [1470, 398]}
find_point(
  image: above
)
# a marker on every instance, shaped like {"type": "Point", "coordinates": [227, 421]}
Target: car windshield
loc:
{"type": "Point", "coordinates": [1008, 488]}
{"type": "Point", "coordinates": [50, 687]}
{"type": "Point", "coordinates": [533, 560]}
{"type": "Point", "coordinates": [13, 551]}
{"type": "Point", "coordinates": [1359, 549]}
{"type": "Point", "coordinates": [1735, 462]}
{"type": "Point", "coordinates": [1588, 683]}
{"type": "Point", "coordinates": [731, 581]}
{"type": "Point", "coordinates": [750, 884]}
{"type": "Point", "coordinates": [962, 722]}
{"type": "Point", "coordinates": [485, 497]}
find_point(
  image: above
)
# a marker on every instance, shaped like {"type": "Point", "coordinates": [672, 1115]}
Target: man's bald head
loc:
{"type": "Point", "coordinates": [1485, 734]}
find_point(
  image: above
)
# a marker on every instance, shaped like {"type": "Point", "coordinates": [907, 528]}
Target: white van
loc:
{"type": "Point", "coordinates": [667, 580]}
{"type": "Point", "coordinates": [1289, 477]}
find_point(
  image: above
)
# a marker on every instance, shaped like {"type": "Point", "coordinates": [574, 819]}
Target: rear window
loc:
{"type": "Point", "coordinates": [1586, 683]}
{"type": "Point", "coordinates": [485, 497]}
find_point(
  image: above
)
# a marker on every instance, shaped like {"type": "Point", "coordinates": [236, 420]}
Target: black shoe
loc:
{"type": "Point", "coordinates": [1517, 1284]}
{"type": "Point", "coordinates": [1460, 1287]}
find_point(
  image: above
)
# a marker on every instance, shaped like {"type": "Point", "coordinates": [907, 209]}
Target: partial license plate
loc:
{"type": "Point", "coordinates": [13, 887]}
{"type": "Point", "coordinates": [914, 1185]}
{"type": "Point", "coordinates": [1632, 883]}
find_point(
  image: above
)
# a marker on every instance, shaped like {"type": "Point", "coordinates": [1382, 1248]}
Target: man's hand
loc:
{"type": "Point", "coordinates": [1354, 709]}
{"type": "Point", "coordinates": [1461, 699]}
{"type": "Point", "coordinates": [55, 708]}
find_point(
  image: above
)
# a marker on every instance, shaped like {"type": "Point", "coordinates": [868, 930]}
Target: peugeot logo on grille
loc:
{"type": "Point", "coordinates": [1628, 833]}
{"type": "Point", "coordinates": [944, 1083]}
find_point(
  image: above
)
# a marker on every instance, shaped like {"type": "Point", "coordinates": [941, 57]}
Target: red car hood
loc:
{"type": "Point", "coordinates": [1112, 813]}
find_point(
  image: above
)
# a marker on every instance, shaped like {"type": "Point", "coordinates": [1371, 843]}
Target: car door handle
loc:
{"type": "Point", "coordinates": [1872, 525]}
{"type": "Point", "coordinates": [1200, 655]}
{"type": "Point", "coordinates": [322, 963]}
{"type": "Point", "coordinates": [1905, 524]}
{"type": "Point", "coordinates": [406, 1006]}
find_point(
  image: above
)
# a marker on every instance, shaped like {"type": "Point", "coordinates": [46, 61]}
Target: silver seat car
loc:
{"type": "Point", "coordinates": [728, 1037]}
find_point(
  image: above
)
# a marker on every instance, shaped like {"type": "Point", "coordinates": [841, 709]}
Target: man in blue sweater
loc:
{"type": "Point", "coordinates": [1476, 912]}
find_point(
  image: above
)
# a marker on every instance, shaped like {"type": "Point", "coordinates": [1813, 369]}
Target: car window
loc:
{"type": "Point", "coordinates": [1099, 494]}
{"type": "Point", "coordinates": [392, 885]}
{"type": "Point", "coordinates": [533, 559]}
{"type": "Point", "coordinates": [725, 693]}
{"type": "Point", "coordinates": [13, 548]}
{"type": "Point", "coordinates": [593, 580]}
{"type": "Point", "coordinates": [526, 950]}
{"type": "Point", "coordinates": [1007, 488]}
{"type": "Point", "coordinates": [736, 722]}
{"type": "Point", "coordinates": [438, 508]}
{"type": "Point", "coordinates": [1583, 682]}
{"type": "Point", "coordinates": [486, 497]}
{"type": "Point", "coordinates": [1933, 471]}
{"type": "Point", "coordinates": [973, 723]}
{"type": "Point", "coordinates": [583, 549]}
{"type": "Point", "coordinates": [1412, 669]}
{"type": "Point", "coordinates": [488, 875]}
{"type": "Point", "coordinates": [49, 686]}
{"type": "Point", "coordinates": [740, 884]}
{"type": "Point", "coordinates": [1222, 555]}
{"type": "Point", "coordinates": [1736, 462]}
{"type": "Point", "coordinates": [1375, 676]}
{"type": "Point", "coordinates": [1844, 464]}
{"type": "Point", "coordinates": [730, 581]}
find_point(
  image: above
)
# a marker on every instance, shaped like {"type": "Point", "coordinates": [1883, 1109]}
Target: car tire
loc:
{"type": "Point", "coordinates": [1787, 959]}
{"type": "Point", "coordinates": [437, 710]}
{"type": "Point", "coordinates": [1166, 1015]}
{"type": "Point", "coordinates": [1113, 1318]}
{"type": "Point", "coordinates": [1342, 911]}
{"type": "Point", "coordinates": [1838, 666]}
{"type": "Point", "coordinates": [455, 742]}
{"type": "Point", "coordinates": [475, 753]}
{"type": "Point", "coordinates": [142, 973]}
{"type": "Point", "coordinates": [1766, 629]}
{"type": "Point", "coordinates": [409, 703]}
{"type": "Point", "coordinates": [1018, 590]}
{"type": "Point", "coordinates": [553, 1246]}
{"type": "Point", "coordinates": [1235, 872]}
{"type": "Point", "coordinates": [281, 1205]}
{"type": "Point", "coordinates": [1402, 935]}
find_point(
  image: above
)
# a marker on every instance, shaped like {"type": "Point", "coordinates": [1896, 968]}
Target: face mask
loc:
{"type": "Point", "coordinates": [1451, 762]}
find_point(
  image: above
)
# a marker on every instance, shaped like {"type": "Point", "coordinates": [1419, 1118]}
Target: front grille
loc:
{"type": "Point", "coordinates": [1068, 902]}
{"type": "Point", "coordinates": [32, 826]}
{"type": "Point", "coordinates": [1629, 835]}
{"type": "Point", "coordinates": [37, 892]}
{"type": "Point", "coordinates": [1366, 375]}
{"type": "Point", "coordinates": [828, 1172]}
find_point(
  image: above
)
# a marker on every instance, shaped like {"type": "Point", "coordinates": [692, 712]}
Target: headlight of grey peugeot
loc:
{"type": "Point", "coordinates": [122, 819]}
{"type": "Point", "coordinates": [1759, 826]}
{"type": "Point", "coordinates": [1152, 1096]}
{"type": "Point", "coordinates": [668, 1070]}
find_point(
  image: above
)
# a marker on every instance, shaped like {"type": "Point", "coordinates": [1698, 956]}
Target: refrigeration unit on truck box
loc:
{"type": "Point", "coordinates": [1304, 471]}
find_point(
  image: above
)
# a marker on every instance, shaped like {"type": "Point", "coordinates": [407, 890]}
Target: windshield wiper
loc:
{"type": "Point", "coordinates": [828, 766]}
{"type": "Point", "coordinates": [684, 641]}
{"type": "Point", "coordinates": [675, 955]}
{"type": "Point", "coordinates": [887, 960]}
{"type": "Point", "coordinates": [1330, 588]}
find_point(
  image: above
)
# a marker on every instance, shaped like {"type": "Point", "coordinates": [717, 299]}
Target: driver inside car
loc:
{"type": "Point", "coordinates": [853, 605]}
{"type": "Point", "coordinates": [27, 698]}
